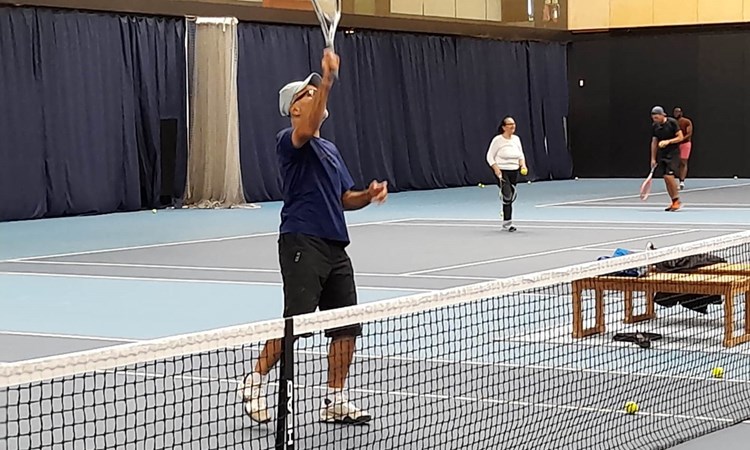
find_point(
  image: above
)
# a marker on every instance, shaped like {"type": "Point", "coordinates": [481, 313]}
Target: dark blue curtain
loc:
{"type": "Point", "coordinates": [494, 82]}
{"type": "Point", "coordinates": [549, 107]}
{"type": "Point", "coordinates": [364, 126]}
{"type": "Point", "coordinates": [386, 105]}
{"type": "Point", "coordinates": [418, 111]}
{"type": "Point", "coordinates": [90, 90]}
{"type": "Point", "coordinates": [88, 114]}
{"type": "Point", "coordinates": [269, 57]}
{"type": "Point", "coordinates": [23, 181]}
{"type": "Point", "coordinates": [428, 91]}
{"type": "Point", "coordinates": [158, 47]}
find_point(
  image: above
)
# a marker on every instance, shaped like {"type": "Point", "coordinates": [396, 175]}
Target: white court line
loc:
{"type": "Point", "coordinates": [475, 399]}
{"type": "Point", "coordinates": [614, 222]}
{"type": "Point", "coordinates": [621, 197]}
{"type": "Point", "coordinates": [464, 399]}
{"type": "Point", "coordinates": [685, 207]}
{"type": "Point", "coordinates": [547, 252]}
{"type": "Point", "coordinates": [454, 398]}
{"type": "Point", "coordinates": [187, 280]}
{"type": "Point", "coordinates": [67, 336]}
{"type": "Point", "coordinates": [702, 204]}
{"type": "Point", "coordinates": [237, 269]}
{"type": "Point", "coordinates": [542, 368]}
{"type": "Point", "coordinates": [171, 244]}
{"type": "Point", "coordinates": [554, 227]}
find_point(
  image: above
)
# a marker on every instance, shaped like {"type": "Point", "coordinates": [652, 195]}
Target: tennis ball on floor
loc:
{"type": "Point", "coordinates": [718, 372]}
{"type": "Point", "coordinates": [480, 185]}
{"type": "Point", "coordinates": [735, 177]}
{"type": "Point", "coordinates": [524, 171]}
{"type": "Point", "coordinates": [576, 178]}
{"type": "Point", "coordinates": [153, 211]}
{"type": "Point", "coordinates": [631, 407]}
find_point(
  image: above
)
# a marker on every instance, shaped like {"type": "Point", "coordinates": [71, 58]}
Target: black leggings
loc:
{"type": "Point", "coordinates": [507, 185]}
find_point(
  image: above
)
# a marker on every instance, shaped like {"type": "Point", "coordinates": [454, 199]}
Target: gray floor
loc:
{"type": "Point", "coordinates": [392, 258]}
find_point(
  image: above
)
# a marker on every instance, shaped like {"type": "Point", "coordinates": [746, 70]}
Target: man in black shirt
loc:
{"type": "Point", "coordinates": [665, 152]}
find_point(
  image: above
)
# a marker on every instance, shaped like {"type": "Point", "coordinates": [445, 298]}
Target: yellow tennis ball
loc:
{"type": "Point", "coordinates": [631, 407]}
{"type": "Point", "coordinates": [481, 185]}
{"type": "Point", "coordinates": [718, 372]}
{"type": "Point", "coordinates": [153, 211]}
{"type": "Point", "coordinates": [524, 171]}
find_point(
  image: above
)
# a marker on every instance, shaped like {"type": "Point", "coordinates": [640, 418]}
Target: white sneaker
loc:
{"type": "Point", "coordinates": [254, 398]}
{"type": "Point", "coordinates": [508, 226]}
{"type": "Point", "coordinates": [342, 411]}
{"type": "Point", "coordinates": [682, 185]}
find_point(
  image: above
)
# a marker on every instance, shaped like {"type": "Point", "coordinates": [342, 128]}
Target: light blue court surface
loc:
{"type": "Point", "coordinates": [76, 283]}
{"type": "Point", "coordinates": [121, 293]}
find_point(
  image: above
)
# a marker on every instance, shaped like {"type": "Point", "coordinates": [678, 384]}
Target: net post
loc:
{"type": "Point", "coordinates": [285, 416]}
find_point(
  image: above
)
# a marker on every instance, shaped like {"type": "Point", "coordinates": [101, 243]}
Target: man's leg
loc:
{"type": "Point", "coordinates": [269, 356]}
{"type": "Point", "coordinates": [253, 386]}
{"type": "Point", "coordinates": [674, 192]}
{"type": "Point", "coordinates": [339, 291]}
{"type": "Point", "coordinates": [672, 189]}
{"type": "Point", "coordinates": [303, 266]}
{"type": "Point", "coordinates": [340, 355]}
{"type": "Point", "coordinates": [685, 148]}
{"type": "Point", "coordinates": [668, 167]}
{"type": "Point", "coordinates": [683, 172]}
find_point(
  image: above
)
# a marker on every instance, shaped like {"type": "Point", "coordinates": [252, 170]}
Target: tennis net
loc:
{"type": "Point", "coordinates": [641, 351]}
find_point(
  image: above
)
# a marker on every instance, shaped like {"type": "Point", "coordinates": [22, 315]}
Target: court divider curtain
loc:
{"type": "Point", "coordinates": [269, 56]}
{"type": "Point", "coordinates": [214, 175]}
{"type": "Point", "coordinates": [494, 80]}
{"type": "Point", "coordinates": [79, 106]}
{"type": "Point", "coordinates": [159, 64]}
{"type": "Point", "coordinates": [548, 99]}
{"type": "Point", "coordinates": [416, 110]}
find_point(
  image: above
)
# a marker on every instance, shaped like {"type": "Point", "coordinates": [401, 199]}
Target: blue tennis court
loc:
{"type": "Point", "coordinates": [81, 283]}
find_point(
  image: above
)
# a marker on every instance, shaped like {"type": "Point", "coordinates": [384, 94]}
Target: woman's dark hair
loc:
{"type": "Point", "coordinates": [502, 123]}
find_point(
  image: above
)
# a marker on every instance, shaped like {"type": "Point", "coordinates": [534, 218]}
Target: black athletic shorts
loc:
{"type": "Point", "coordinates": [667, 162]}
{"type": "Point", "coordinates": [317, 273]}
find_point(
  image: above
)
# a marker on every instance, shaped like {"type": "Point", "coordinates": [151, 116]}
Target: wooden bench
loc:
{"type": "Point", "coordinates": [726, 269]}
{"type": "Point", "coordinates": [727, 285]}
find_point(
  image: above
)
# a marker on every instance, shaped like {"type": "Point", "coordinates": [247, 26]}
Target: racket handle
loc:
{"type": "Point", "coordinates": [331, 48]}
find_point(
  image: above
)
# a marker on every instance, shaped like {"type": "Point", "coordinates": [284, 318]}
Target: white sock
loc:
{"type": "Point", "coordinates": [337, 395]}
{"type": "Point", "coordinates": [257, 379]}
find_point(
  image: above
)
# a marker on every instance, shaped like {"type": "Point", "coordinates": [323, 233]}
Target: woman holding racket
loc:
{"type": "Point", "coordinates": [665, 153]}
{"type": "Point", "coordinates": [506, 158]}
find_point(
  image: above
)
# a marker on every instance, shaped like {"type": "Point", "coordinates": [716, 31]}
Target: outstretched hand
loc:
{"type": "Point", "coordinates": [378, 191]}
{"type": "Point", "coordinates": [330, 64]}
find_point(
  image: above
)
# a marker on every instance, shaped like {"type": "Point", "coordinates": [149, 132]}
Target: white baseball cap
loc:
{"type": "Point", "coordinates": [288, 93]}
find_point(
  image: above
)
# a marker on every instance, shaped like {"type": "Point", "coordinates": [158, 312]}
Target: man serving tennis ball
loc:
{"type": "Point", "coordinates": [315, 268]}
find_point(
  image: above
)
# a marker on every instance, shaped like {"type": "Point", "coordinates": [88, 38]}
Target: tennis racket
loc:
{"type": "Point", "coordinates": [646, 186]}
{"type": "Point", "coordinates": [329, 15]}
{"type": "Point", "coordinates": [506, 199]}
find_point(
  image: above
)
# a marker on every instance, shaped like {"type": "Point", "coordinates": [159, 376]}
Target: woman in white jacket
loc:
{"type": "Point", "coordinates": [506, 158]}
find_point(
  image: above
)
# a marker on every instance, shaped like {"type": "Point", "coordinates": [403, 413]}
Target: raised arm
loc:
{"type": "Point", "coordinates": [307, 127]}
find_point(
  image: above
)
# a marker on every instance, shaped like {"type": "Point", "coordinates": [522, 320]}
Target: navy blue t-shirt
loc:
{"type": "Point", "coordinates": [314, 178]}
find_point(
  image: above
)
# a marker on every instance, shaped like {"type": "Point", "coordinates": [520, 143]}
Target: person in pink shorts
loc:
{"type": "Point", "coordinates": [686, 125]}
